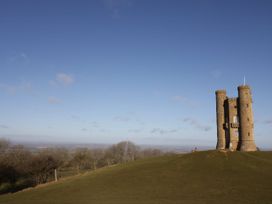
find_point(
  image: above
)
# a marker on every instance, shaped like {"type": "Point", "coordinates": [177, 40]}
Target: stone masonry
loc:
{"type": "Point", "coordinates": [235, 125]}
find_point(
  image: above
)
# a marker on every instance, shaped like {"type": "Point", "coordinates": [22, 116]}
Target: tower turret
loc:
{"type": "Point", "coordinates": [246, 119]}
{"type": "Point", "coordinates": [220, 119]}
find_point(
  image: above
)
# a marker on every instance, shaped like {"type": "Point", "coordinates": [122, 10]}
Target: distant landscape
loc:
{"type": "Point", "coordinates": [28, 166]}
{"type": "Point", "coordinates": [173, 148]}
{"type": "Point", "coordinates": [198, 177]}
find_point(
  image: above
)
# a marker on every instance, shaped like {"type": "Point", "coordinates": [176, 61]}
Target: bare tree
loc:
{"type": "Point", "coordinates": [97, 158]}
{"type": "Point", "coordinates": [82, 159]}
{"type": "Point", "coordinates": [17, 160]}
{"type": "Point", "coordinates": [42, 167]}
{"type": "Point", "coordinates": [4, 145]}
{"type": "Point", "coordinates": [122, 152]}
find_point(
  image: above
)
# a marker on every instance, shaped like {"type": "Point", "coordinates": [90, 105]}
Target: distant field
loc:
{"type": "Point", "coordinates": [200, 177]}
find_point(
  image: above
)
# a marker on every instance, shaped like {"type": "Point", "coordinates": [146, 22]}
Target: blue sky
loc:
{"type": "Point", "coordinates": [109, 70]}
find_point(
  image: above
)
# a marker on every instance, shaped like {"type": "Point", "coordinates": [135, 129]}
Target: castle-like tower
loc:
{"type": "Point", "coordinates": [235, 120]}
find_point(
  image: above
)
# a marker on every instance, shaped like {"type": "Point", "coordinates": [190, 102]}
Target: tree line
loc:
{"type": "Point", "coordinates": [21, 167]}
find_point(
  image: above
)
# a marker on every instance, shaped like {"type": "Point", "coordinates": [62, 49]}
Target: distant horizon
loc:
{"type": "Point", "coordinates": [31, 141]}
{"type": "Point", "coordinates": [90, 143]}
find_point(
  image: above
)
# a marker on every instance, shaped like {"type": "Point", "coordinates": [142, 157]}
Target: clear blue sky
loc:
{"type": "Point", "coordinates": [109, 70]}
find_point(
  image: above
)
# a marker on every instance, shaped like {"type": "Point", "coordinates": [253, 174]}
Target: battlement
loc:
{"type": "Point", "coordinates": [243, 87]}
{"type": "Point", "coordinates": [220, 91]}
{"type": "Point", "coordinates": [233, 99]}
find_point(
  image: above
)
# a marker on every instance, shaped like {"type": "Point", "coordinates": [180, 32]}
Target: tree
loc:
{"type": "Point", "coordinates": [42, 167]}
{"type": "Point", "coordinates": [82, 159]}
{"type": "Point", "coordinates": [15, 163]}
{"type": "Point", "coordinates": [122, 152]}
{"type": "Point", "coordinates": [60, 155]}
{"type": "Point", "coordinates": [4, 145]}
{"type": "Point", "coordinates": [97, 158]}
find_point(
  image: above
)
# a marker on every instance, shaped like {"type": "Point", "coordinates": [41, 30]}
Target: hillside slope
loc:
{"type": "Point", "coordinates": [200, 177]}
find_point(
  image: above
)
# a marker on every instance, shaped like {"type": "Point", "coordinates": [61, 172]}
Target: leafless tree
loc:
{"type": "Point", "coordinates": [122, 152]}
{"type": "Point", "coordinates": [82, 159]}
{"type": "Point", "coordinates": [42, 167]}
{"type": "Point", "coordinates": [4, 145]}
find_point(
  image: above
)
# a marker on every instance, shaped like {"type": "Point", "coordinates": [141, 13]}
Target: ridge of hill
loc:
{"type": "Point", "coordinates": [199, 177]}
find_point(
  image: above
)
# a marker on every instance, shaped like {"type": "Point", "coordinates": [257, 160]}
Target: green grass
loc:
{"type": "Point", "coordinates": [200, 177]}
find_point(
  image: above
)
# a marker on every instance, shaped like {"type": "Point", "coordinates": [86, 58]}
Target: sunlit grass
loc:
{"type": "Point", "coordinates": [200, 177]}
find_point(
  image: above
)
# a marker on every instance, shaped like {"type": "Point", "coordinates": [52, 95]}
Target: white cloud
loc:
{"type": "Point", "coordinates": [75, 117]}
{"type": "Point", "coordinates": [4, 126]}
{"type": "Point", "coordinates": [19, 57]}
{"type": "Point", "coordinates": [122, 118]}
{"type": "Point", "coordinates": [186, 101]}
{"type": "Point", "coordinates": [53, 100]}
{"type": "Point", "coordinates": [9, 88]}
{"type": "Point", "coordinates": [53, 83]}
{"type": "Point", "coordinates": [269, 122]}
{"type": "Point", "coordinates": [103, 130]}
{"type": "Point", "coordinates": [130, 117]}
{"type": "Point", "coordinates": [216, 73]}
{"type": "Point", "coordinates": [115, 6]}
{"type": "Point", "coordinates": [24, 56]}
{"type": "Point", "coordinates": [94, 124]}
{"type": "Point", "coordinates": [13, 89]}
{"type": "Point", "coordinates": [197, 124]}
{"type": "Point", "coordinates": [134, 130]}
{"type": "Point", "coordinates": [64, 79]}
{"type": "Point", "coordinates": [163, 131]}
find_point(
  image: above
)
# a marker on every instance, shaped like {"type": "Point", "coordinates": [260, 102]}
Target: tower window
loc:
{"type": "Point", "coordinates": [235, 119]}
{"type": "Point", "coordinates": [248, 119]}
{"type": "Point", "coordinates": [248, 134]}
{"type": "Point", "coordinates": [247, 105]}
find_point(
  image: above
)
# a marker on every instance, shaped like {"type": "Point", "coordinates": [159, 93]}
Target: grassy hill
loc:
{"type": "Point", "coordinates": [200, 177]}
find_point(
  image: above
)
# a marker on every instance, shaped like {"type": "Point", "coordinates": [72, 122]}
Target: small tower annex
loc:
{"type": "Point", "coordinates": [235, 124]}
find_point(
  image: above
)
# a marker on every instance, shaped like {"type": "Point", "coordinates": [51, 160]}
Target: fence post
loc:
{"type": "Point", "coordinates": [56, 175]}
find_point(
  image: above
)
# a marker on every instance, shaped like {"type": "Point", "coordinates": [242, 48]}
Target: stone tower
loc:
{"type": "Point", "coordinates": [235, 121]}
{"type": "Point", "coordinates": [220, 115]}
{"type": "Point", "coordinates": [246, 119]}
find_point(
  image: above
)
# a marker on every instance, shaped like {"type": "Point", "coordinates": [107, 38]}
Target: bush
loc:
{"type": "Point", "coordinates": [21, 168]}
{"type": "Point", "coordinates": [5, 187]}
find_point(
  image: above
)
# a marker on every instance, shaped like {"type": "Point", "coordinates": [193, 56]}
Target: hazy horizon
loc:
{"type": "Point", "coordinates": [106, 71]}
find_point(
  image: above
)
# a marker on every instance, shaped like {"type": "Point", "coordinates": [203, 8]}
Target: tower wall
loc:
{"type": "Point", "coordinates": [247, 142]}
{"type": "Point", "coordinates": [220, 119]}
{"type": "Point", "coordinates": [233, 123]}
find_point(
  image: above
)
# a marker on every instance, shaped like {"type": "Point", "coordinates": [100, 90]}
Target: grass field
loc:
{"type": "Point", "coordinates": [200, 177]}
